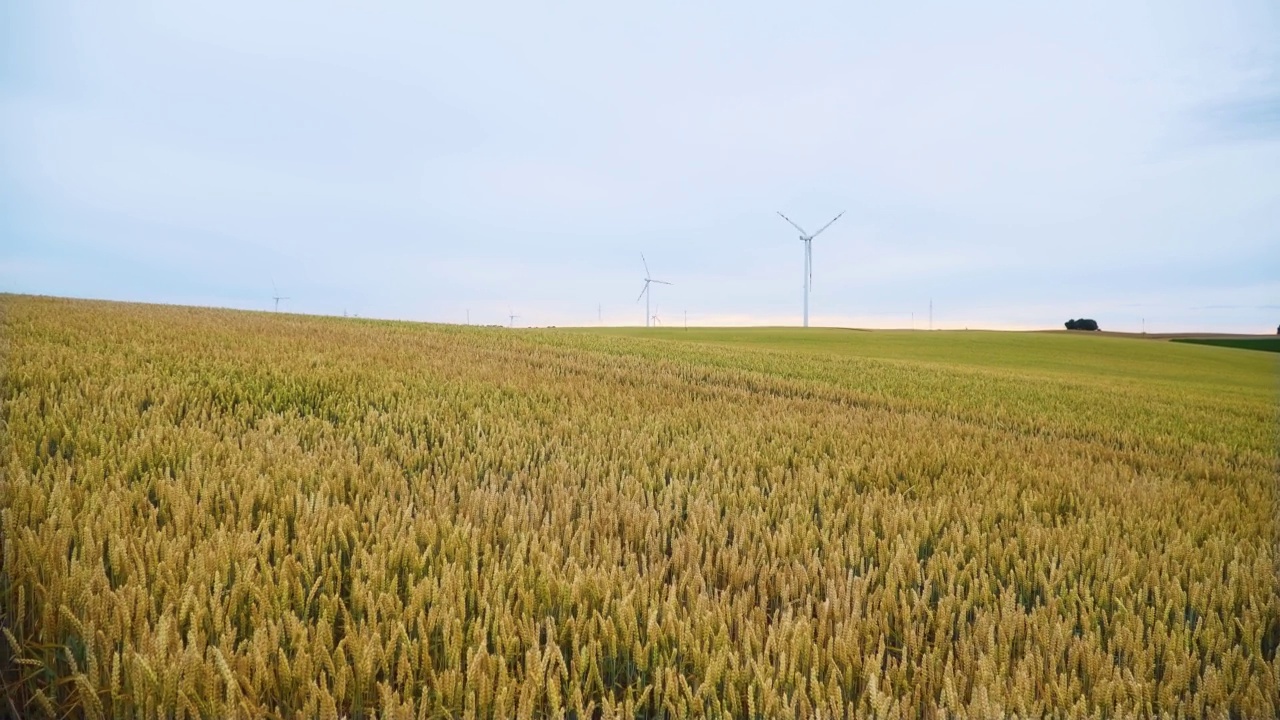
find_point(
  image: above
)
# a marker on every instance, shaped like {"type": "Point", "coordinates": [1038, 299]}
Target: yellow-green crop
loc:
{"type": "Point", "coordinates": [224, 514]}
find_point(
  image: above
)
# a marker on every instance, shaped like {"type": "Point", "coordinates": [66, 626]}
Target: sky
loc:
{"type": "Point", "coordinates": [1012, 164]}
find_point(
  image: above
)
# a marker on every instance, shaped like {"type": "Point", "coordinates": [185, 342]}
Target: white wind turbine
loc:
{"type": "Point", "coordinates": [512, 316]}
{"type": "Point", "coordinates": [807, 239]}
{"type": "Point", "coordinates": [277, 296]}
{"type": "Point", "coordinates": [645, 293]}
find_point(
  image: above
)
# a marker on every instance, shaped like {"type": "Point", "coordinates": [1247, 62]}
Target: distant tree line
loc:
{"type": "Point", "coordinates": [1082, 324]}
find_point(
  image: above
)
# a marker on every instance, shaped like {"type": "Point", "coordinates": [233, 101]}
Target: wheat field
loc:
{"type": "Point", "coordinates": [213, 514]}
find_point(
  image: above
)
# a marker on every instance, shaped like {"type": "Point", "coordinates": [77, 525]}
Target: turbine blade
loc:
{"type": "Point", "coordinates": [784, 217]}
{"type": "Point", "coordinates": [824, 227]}
{"type": "Point", "coordinates": [662, 282]}
{"type": "Point", "coordinates": [646, 266]}
{"type": "Point", "coordinates": [643, 290]}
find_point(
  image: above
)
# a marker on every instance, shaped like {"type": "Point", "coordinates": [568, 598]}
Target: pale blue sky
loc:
{"type": "Point", "coordinates": [1019, 163]}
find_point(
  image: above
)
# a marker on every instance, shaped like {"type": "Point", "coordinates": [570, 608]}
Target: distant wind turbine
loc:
{"type": "Point", "coordinates": [513, 317]}
{"type": "Point", "coordinates": [645, 293]}
{"type": "Point", "coordinates": [807, 239]}
{"type": "Point", "coordinates": [277, 296]}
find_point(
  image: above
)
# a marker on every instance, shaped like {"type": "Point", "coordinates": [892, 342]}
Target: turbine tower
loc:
{"type": "Point", "coordinates": [807, 239]}
{"type": "Point", "coordinates": [648, 317]}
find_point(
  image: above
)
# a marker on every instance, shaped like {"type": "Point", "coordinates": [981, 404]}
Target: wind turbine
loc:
{"type": "Point", "coordinates": [645, 292]}
{"type": "Point", "coordinates": [807, 239]}
{"type": "Point", "coordinates": [277, 297]}
{"type": "Point", "coordinates": [512, 317]}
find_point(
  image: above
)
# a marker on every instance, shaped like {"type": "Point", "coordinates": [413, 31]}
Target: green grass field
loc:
{"type": "Point", "coordinates": [1269, 344]}
{"type": "Point", "coordinates": [210, 513]}
{"type": "Point", "coordinates": [1082, 356]}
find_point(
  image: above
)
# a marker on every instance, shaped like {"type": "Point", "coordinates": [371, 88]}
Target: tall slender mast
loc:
{"type": "Point", "coordinates": [808, 275]}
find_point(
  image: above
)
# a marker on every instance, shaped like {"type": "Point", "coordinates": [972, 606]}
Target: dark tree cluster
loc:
{"type": "Point", "coordinates": [1082, 324]}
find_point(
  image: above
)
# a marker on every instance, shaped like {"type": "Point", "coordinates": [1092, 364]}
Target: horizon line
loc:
{"type": "Point", "coordinates": [637, 326]}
